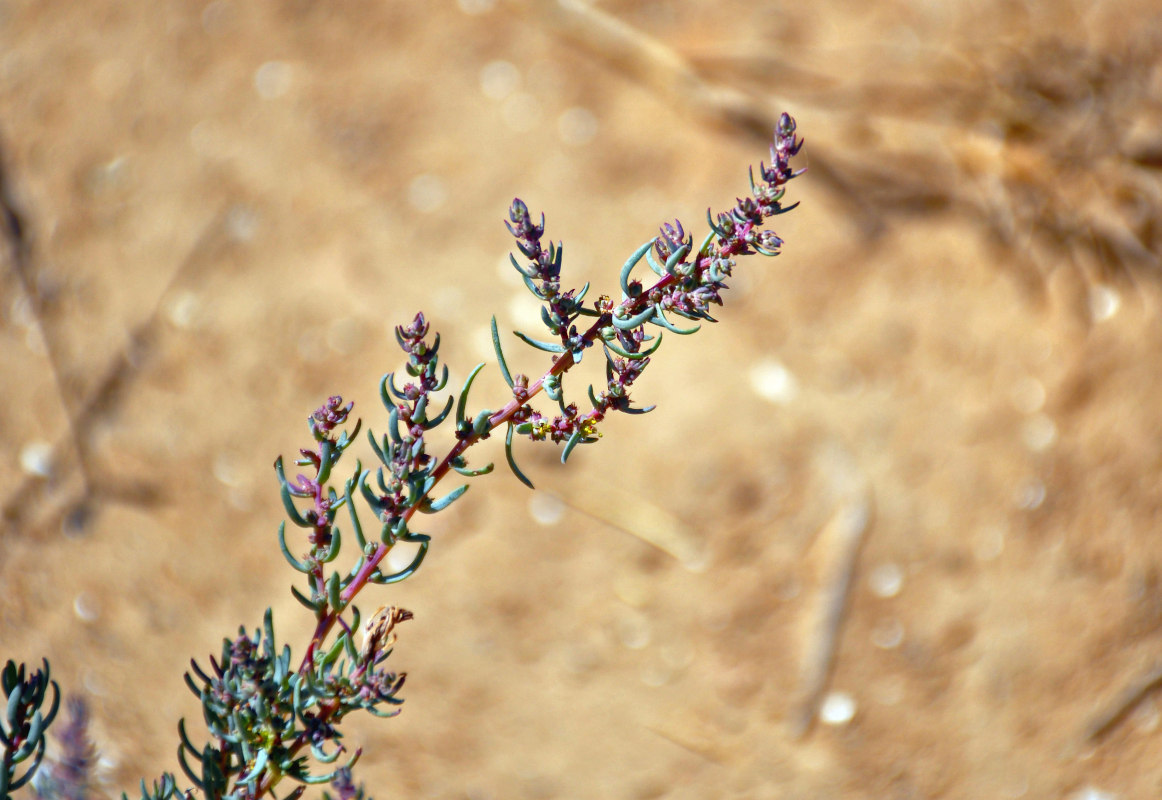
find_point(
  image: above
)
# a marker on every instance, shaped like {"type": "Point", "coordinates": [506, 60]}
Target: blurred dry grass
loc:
{"type": "Point", "coordinates": [227, 206]}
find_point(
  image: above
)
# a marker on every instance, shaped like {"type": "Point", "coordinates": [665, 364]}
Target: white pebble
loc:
{"type": "Point", "coordinates": [546, 508]}
{"type": "Point", "coordinates": [695, 558]}
{"type": "Point", "coordinates": [272, 79]}
{"type": "Point", "coordinates": [183, 309]}
{"type": "Point", "coordinates": [225, 469]}
{"type": "Point", "coordinates": [499, 79]}
{"type": "Point", "coordinates": [36, 459]}
{"type": "Point", "coordinates": [1027, 395]}
{"type": "Point", "coordinates": [476, 6]}
{"type": "Point", "coordinates": [886, 580]}
{"type": "Point", "coordinates": [241, 223]}
{"type": "Point", "coordinates": [577, 126]}
{"type": "Point", "coordinates": [1039, 433]}
{"type": "Point", "coordinates": [1104, 302]}
{"type": "Point", "coordinates": [85, 607]}
{"type": "Point", "coordinates": [633, 630]}
{"type": "Point", "coordinates": [838, 708]}
{"type": "Point", "coordinates": [656, 674]}
{"type": "Point", "coordinates": [426, 193]}
{"type": "Point", "coordinates": [888, 635]}
{"type": "Point", "coordinates": [1031, 496]}
{"type": "Point", "coordinates": [772, 381]}
{"type": "Point", "coordinates": [1091, 793]}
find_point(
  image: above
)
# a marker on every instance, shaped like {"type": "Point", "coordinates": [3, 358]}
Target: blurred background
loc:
{"type": "Point", "coordinates": [893, 530]}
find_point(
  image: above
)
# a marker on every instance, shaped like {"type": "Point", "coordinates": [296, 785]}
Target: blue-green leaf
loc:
{"type": "Point", "coordinates": [462, 404]}
{"type": "Point", "coordinates": [481, 421]}
{"type": "Point", "coordinates": [654, 265]}
{"type": "Point", "coordinates": [432, 423]}
{"type": "Point", "coordinates": [629, 323]}
{"type": "Point", "coordinates": [461, 468]}
{"type": "Point", "coordinates": [645, 410]}
{"type": "Point", "coordinates": [304, 600]}
{"type": "Point", "coordinates": [433, 506]}
{"type": "Point", "coordinates": [500, 354]}
{"type": "Point", "coordinates": [631, 262]}
{"type": "Point", "coordinates": [548, 347]}
{"type": "Point", "coordinates": [612, 345]}
{"type": "Point", "coordinates": [512, 461]}
{"type": "Point", "coordinates": [294, 562]}
{"type": "Point", "coordinates": [406, 572]}
{"type": "Point", "coordinates": [676, 258]}
{"type": "Point", "coordinates": [355, 524]}
{"type": "Point", "coordinates": [569, 445]}
{"type": "Point", "coordinates": [660, 319]}
{"type": "Point", "coordinates": [332, 551]}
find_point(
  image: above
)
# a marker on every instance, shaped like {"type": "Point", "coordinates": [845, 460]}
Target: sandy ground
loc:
{"type": "Point", "coordinates": [949, 381]}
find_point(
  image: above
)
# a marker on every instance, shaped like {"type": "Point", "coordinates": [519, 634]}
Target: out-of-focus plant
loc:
{"type": "Point", "coordinates": [271, 718]}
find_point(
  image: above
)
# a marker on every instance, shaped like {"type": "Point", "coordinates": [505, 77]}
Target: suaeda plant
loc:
{"type": "Point", "coordinates": [274, 720]}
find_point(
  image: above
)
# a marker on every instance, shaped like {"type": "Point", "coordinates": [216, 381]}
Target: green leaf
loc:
{"type": "Point", "coordinates": [676, 258]}
{"type": "Point", "coordinates": [548, 347]}
{"type": "Point", "coordinates": [355, 524]}
{"type": "Point", "coordinates": [569, 445]}
{"type": "Point", "coordinates": [327, 459]}
{"type": "Point", "coordinates": [714, 231]}
{"type": "Point", "coordinates": [593, 399]}
{"type": "Point", "coordinates": [303, 599]}
{"type": "Point", "coordinates": [660, 319]}
{"type": "Point", "coordinates": [629, 323]}
{"type": "Point", "coordinates": [470, 473]}
{"type": "Point", "coordinates": [257, 769]}
{"type": "Point", "coordinates": [345, 439]}
{"type": "Point", "coordinates": [434, 506]}
{"type": "Point", "coordinates": [462, 404]}
{"type": "Point", "coordinates": [481, 421]}
{"type": "Point", "coordinates": [631, 262]}
{"type": "Point", "coordinates": [645, 410]}
{"type": "Point", "coordinates": [185, 738]}
{"type": "Point", "coordinates": [654, 265]}
{"type": "Point", "coordinates": [268, 633]}
{"type": "Point", "coordinates": [432, 423]}
{"type": "Point", "coordinates": [393, 425]}
{"type": "Point", "coordinates": [512, 461]}
{"type": "Point", "coordinates": [294, 562]}
{"type": "Point", "coordinates": [334, 597]}
{"type": "Point", "coordinates": [188, 771]}
{"type": "Point", "coordinates": [704, 249]}
{"type": "Point", "coordinates": [612, 345]}
{"type": "Point", "coordinates": [386, 385]}
{"type": "Point", "coordinates": [285, 492]}
{"type": "Point", "coordinates": [333, 654]}
{"type": "Point", "coordinates": [333, 550]}
{"type": "Point", "coordinates": [518, 267]}
{"type": "Point", "coordinates": [406, 572]}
